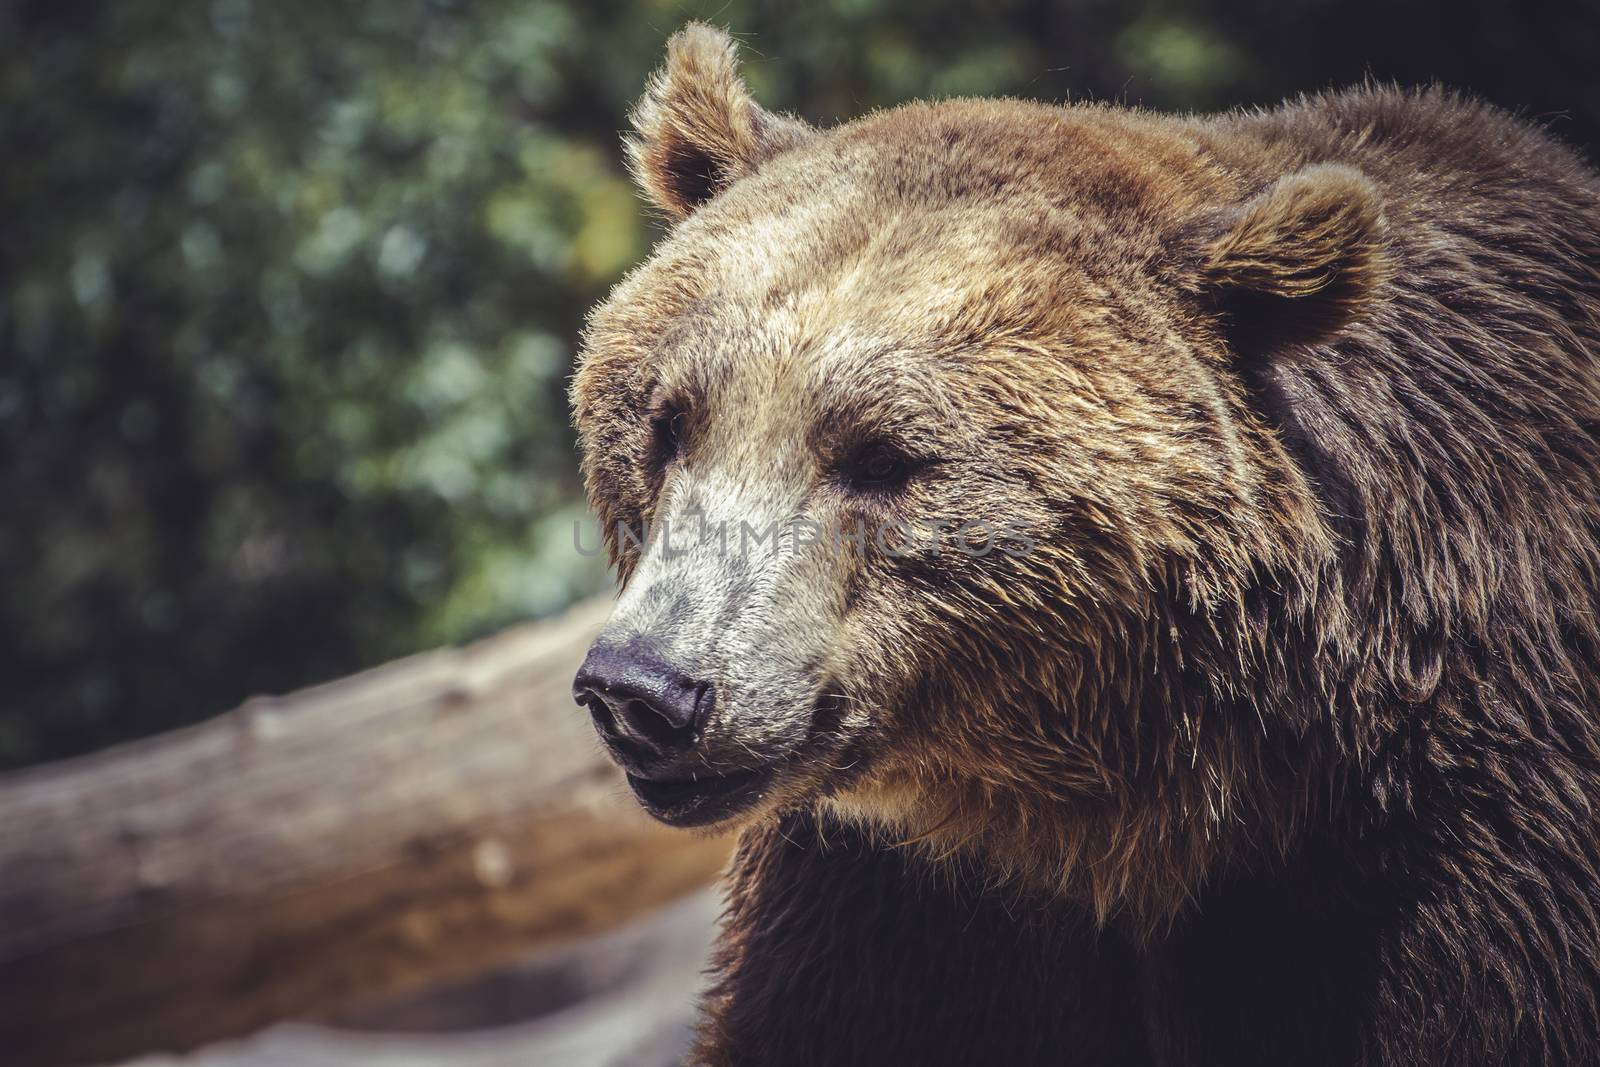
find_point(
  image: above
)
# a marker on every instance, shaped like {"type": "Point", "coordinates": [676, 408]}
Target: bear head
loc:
{"type": "Point", "coordinates": [930, 452]}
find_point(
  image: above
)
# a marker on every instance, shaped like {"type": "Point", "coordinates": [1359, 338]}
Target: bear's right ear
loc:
{"type": "Point", "coordinates": [1299, 262]}
{"type": "Point", "coordinates": [696, 130]}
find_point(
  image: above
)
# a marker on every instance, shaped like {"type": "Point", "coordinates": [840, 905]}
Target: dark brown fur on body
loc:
{"type": "Point", "coordinates": [1282, 747]}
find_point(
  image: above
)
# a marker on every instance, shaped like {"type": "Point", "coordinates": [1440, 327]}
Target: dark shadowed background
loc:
{"type": "Point", "coordinates": [289, 292]}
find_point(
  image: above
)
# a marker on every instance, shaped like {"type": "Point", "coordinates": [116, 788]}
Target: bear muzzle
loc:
{"type": "Point", "coordinates": [652, 716]}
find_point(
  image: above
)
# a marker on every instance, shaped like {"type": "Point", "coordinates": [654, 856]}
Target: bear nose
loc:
{"type": "Point", "coordinates": [646, 708]}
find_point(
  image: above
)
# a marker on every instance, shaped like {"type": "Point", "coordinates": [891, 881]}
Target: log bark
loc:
{"type": "Point", "coordinates": [308, 854]}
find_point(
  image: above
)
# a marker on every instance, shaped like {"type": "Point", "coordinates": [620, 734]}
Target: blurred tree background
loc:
{"type": "Point", "coordinates": [289, 292]}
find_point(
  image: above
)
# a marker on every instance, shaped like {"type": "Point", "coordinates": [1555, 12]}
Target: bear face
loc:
{"type": "Point", "coordinates": [968, 522]}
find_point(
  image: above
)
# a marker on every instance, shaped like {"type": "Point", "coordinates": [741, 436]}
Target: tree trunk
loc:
{"type": "Point", "coordinates": [306, 854]}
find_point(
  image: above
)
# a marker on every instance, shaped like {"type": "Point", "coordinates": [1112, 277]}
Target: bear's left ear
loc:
{"type": "Point", "coordinates": [696, 130]}
{"type": "Point", "coordinates": [1299, 262]}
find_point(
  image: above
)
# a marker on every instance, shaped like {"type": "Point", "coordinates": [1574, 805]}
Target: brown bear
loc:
{"type": "Point", "coordinates": [1135, 579]}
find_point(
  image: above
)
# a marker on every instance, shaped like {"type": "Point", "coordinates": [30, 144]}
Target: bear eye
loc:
{"type": "Point", "coordinates": [666, 435]}
{"type": "Point", "coordinates": [878, 466]}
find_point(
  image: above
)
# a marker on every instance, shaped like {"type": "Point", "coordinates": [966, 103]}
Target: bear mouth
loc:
{"type": "Point", "coordinates": [711, 798]}
{"type": "Point", "coordinates": [700, 800]}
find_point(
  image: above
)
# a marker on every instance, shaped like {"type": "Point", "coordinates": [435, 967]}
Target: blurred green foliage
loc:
{"type": "Point", "coordinates": [289, 292]}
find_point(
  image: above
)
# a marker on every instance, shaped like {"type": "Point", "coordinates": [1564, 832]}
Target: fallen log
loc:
{"type": "Point", "coordinates": [305, 855]}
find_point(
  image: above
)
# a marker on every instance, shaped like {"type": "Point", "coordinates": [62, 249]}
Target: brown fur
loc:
{"type": "Point", "coordinates": [699, 100]}
{"type": "Point", "coordinates": [1303, 407]}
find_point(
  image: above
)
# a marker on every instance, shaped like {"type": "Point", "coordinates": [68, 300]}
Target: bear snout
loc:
{"type": "Point", "coordinates": [650, 712]}
{"type": "Point", "coordinates": [652, 716]}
